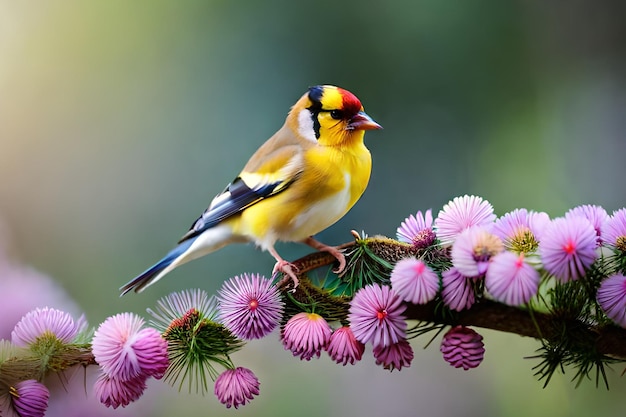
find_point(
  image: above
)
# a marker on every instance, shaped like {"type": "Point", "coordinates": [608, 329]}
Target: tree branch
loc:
{"type": "Point", "coordinates": [608, 340]}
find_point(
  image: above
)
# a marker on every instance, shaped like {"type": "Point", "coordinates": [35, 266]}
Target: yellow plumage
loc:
{"type": "Point", "coordinates": [299, 182]}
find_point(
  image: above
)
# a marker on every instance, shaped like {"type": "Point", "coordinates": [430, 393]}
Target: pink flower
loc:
{"type": "Point", "coordinates": [235, 387]}
{"type": "Point", "coordinates": [596, 215]}
{"type": "Point", "coordinates": [250, 306]}
{"type": "Point", "coordinates": [306, 334]}
{"type": "Point", "coordinates": [343, 346]}
{"type": "Point", "coordinates": [521, 230]}
{"type": "Point", "coordinates": [113, 392]}
{"type": "Point", "coordinates": [414, 281]}
{"type": "Point", "coordinates": [376, 316]}
{"type": "Point", "coordinates": [612, 298]}
{"type": "Point", "coordinates": [511, 280]}
{"type": "Point", "coordinates": [461, 213]}
{"type": "Point", "coordinates": [463, 348]}
{"type": "Point", "coordinates": [568, 247]}
{"type": "Point", "coordinates": [394, 356]}
{"type": "Point", "coordinates": [458, 292]}
{"type": "Point", "coordinates": [615, 230]}
{"type": "Point", "coordinates": [46, 322]}
{"type": "Point", "coordinates": [473, 249]}
{"type": "Point", "coordinates": [417, 230]}
{"type": "Point", "coordinates": [125, 351]}
{"type": "Point", "coordinates": [30, 398]}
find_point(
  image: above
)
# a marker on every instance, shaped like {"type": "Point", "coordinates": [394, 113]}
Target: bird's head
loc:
{"type": "Point", "coordinates": [330, 116]}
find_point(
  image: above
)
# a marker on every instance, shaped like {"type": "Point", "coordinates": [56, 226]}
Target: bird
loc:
{"type": "Point", "coordinates": [302, 180]}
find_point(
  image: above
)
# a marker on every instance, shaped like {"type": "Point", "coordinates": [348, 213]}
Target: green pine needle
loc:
{"type": "Point", "coordinates": [194, 345]}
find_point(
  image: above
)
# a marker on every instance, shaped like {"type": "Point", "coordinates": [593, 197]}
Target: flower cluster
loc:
{"type": "Point", "coordinates": [507, 255]}
{"type": "Point", "coordinates": [128, 354]}
{"type": "Point", "coordinates": [48, 337]}
{"type": "Point", "coordinates": [197, 341]}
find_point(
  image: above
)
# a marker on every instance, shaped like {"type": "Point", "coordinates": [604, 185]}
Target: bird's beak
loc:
{"type": "Point", "coordinates": [361, 121]}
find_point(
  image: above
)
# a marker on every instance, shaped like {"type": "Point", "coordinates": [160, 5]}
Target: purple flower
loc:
{"type": "Point", "coordinates": [461, 213]}
{"type": "Point", "coordinates": [463, 348]}
{"type": "Point", "coordinates": [414, 281]}
{"type": "Point", "coordinates": [511, 280]}
{"type": "Point", "coordinates": [596, 215]}
{"type": "Point", "coordinates": [46, 322]}
{"type": "Point", "coordinates": [612, 298]}
{"type": "Point", "coordinates": [394, 356]}
{"type": "Point", "coordinates": [113, 392]}
{"type": "Point", "coordinates": [568, 247]}
{"type": "Point", "coordinates": [306, 334]}
{"type": "Point", "coordinates": [30, 398]}
{"type": "Point", "coordinates": [125, 351]}
{"type": "Point", "coordinates": [250, 306]}
{"type": "Point", "coordinates": [68, 396]}
{"type": "Point", "coordinates": [343, 346]}
{"type": "Point", "coordinates": [473, 249]}
{"type": "Point", "coordinates": [458, 292]}
{"type": "Point", "coordinates": [615, 230]}
{"type": "Point", "coordinates": [235, 387]}
{"type": "Point", "coordinates": [376, 316]}
{"type": "Point", "coordinates": [521, 230]}
{"type": "Point", "coordinates": [417, 230]}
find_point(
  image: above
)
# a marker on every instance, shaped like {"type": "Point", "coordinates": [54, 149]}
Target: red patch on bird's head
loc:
{"type": "Point", "coordinates": [351, 104]}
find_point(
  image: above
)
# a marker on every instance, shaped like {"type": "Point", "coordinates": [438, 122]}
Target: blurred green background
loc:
{"type": "Point", "coordinates": [119, 121]}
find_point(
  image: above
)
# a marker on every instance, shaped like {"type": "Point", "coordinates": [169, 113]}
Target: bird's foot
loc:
{"type": "Point", "coordinates": [315, 244]}
{"type": "Point", "coordinates": [289, 270]}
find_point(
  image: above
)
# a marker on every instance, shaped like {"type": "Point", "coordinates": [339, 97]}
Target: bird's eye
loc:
{"type": "Point", "coordinates": [336, 114]}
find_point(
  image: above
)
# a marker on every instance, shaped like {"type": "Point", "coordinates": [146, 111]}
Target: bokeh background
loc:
{"type": "Point", "coordinates": [119, 121]}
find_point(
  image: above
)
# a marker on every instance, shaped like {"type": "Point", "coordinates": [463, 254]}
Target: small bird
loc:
{"type": "Point", "coordinates": [301, 181]}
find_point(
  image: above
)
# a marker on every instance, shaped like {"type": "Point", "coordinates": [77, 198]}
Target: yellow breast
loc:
{"type": "Point", "coordinates": [333, 179]}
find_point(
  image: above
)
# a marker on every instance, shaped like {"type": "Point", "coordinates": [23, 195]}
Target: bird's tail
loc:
{"type": "Point", "coordinates": [194, 247]}
{"type": "Point", "coordinates": [159, 269]}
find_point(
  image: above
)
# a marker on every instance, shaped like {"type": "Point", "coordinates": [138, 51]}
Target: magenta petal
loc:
{"type": "Point", "coordinates": [395, 356]}
{"type": "Point", "coordinates": [125, 351]}
{"type": "Point", "coordinates": [114, 393]}
{"type": "Point", "coordinates": [306, 335]}
{"type": "Point", "coordinates": [250, 306]}
{"type": "Point", "coordinates": [511, 280]}
{"type": "Point", "coordinates": [31, 399]}
{"type": "Point", "coordinates": [612, 298]}
{"type": "Point", "coordinates": [463, 348]}
{"type": "Point", "coordinates": [457, 293]}
{"type": "Point", "coordinates": [568, 247]}
{"type": "Point", "coordinates": [417, 230]}
{"type": "Point", "coordinates": [414, 281]}
{"type": "Point", "coordinates": [614, 233]}
{"type": "Point", "coordinates": [460, 214]}
{"type": "Point", "coordinates": [46, 321]}
{"type": "Point", "coordinates": [343, 347]}
{"type": "Point", "coordinates": [235, 387]}
{"type": "Point", "coordinates": [376, 316]}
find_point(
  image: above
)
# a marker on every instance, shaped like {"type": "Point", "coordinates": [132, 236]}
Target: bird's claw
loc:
{"type": "Point", "coordinates": [289, 270]}
{"type": "Point", "coordinates": [342, 263]}
{"type": "Point", "coordinates": [339, 256]}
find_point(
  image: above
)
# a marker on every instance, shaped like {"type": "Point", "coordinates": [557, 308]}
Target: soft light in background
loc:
{"type": "Point", "coordinates": [119, 121]}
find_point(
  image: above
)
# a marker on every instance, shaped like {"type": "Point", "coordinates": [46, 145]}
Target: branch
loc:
{"type": "Point", "coordinates": [608, 340]}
